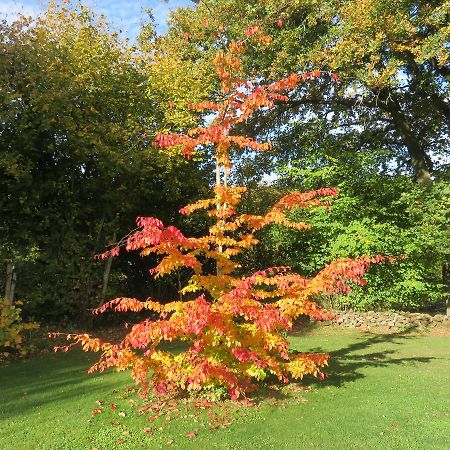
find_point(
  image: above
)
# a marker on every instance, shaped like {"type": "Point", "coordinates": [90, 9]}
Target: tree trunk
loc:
{"type": "Point", "coordinates": [446, 281]}
{"type": "Point", "coordinates": [448, 300]}
{"type": "Point", "coordinates": [107, 272]}
{"type": "Point", "coordinates": [420, 161]}
{"type": "Point", "coordinates": [218, 205]}
{"type": "Point", "coordinates": [13, 287]}
{"type": "Point", "coordinates": [105, 282]}
{"type": "Point", "coordinates": [11, 278]}
{"type": "Point", "coordinates": [180, 295]}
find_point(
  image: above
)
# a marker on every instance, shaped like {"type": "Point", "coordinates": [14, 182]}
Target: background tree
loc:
{"type": "Point", "coordinates": [391, 57]}
{"type": "Point", "coordinates": [75, 163]}
{"type": "Point", "coordinates": [386, 120]}
{"type": "Point", "coordinates": [79, 108]}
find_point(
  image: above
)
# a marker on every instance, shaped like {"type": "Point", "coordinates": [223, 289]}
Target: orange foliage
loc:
{"type": "Point", "coordinates": [234, 325]}
{"type": "Point", "coordinates": [241, 99]}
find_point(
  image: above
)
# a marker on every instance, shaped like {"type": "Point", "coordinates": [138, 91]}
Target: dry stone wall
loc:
{"type": "Point", "coordinates": [388, 319]}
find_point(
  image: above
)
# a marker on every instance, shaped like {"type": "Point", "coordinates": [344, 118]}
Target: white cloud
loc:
{"type": "Point", "coordinates": [123, 15]}
{"type": "Point", "coordinates": [10, 9]}
{"type": "Point", "coordinates": [128, 16]}
{"type": "Point", "coordinates": [161, 9]}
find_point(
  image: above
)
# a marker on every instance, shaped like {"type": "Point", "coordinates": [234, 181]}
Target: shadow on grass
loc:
{"type": "Point", "coordinates": [60, 379]}
{"type": "Point", "coordinates": [346, 363]}
{"type": "Point", "coordinates": [30, 385]}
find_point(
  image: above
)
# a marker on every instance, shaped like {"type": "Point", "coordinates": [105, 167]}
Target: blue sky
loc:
{"type": "Point", "coordinates": [124, 15]}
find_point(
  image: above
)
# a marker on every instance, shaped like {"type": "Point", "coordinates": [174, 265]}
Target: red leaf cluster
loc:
{"type": "Point", "coordinates": [235, 340]}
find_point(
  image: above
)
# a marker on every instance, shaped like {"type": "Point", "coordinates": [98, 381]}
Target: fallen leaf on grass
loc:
{"type": "Point", "coordinates": [191, 435]}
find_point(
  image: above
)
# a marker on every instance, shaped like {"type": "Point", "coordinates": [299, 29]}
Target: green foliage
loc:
{"type": "Point", "coordinates": [379, 214]}
{"type": "Point", "coordinates": [410, 284]}
{"type": "Point", "coordinates": [12, 328]}
{"type": "Point", "coordinates": [77, 112]}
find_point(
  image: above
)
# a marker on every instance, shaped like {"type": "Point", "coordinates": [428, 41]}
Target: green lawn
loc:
{"type": "Point", "coordinates": [383, 392]}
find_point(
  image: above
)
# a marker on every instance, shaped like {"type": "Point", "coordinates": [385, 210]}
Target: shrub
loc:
{"type": "Point", "coordinates": [12, 327]}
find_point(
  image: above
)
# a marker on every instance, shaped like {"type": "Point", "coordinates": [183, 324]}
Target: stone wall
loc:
{"type": "Point", "coordinates": [388, 319]}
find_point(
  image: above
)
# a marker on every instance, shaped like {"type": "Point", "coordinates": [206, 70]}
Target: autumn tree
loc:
{"type": "Point", "coordinates": [233, 324]}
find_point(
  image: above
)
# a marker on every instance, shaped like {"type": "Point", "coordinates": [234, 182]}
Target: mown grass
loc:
{"type": "Point", "coordinates": [382, 392]}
